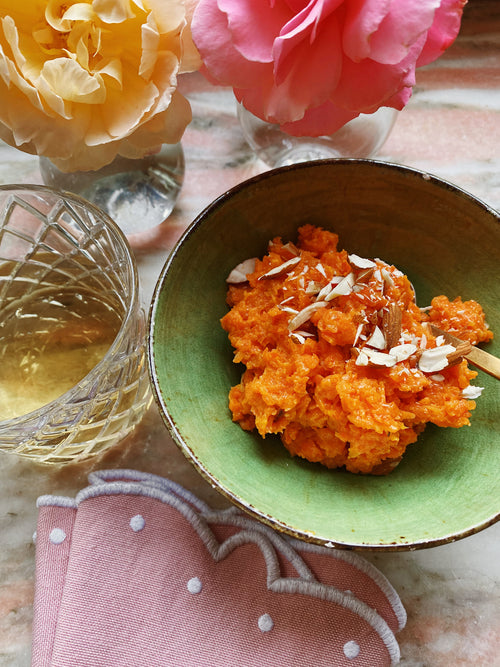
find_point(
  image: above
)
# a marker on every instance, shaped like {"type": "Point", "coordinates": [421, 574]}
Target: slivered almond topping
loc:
{"type": "Point", "coordinates": [460, 351]}
{"type": "Point", "coordinates": [239, 273]}
{"type": "Point", "coordinates": [391, 324]}
{"type": "Point", "coordinates": [320, 268]}
{"type": "Point", "coordinates": [377, 339]}
{"type": "Point", "coordinates": [343, 288]}
{"type": "Point", "coordinates": [379, 358]}
{"type": "Point", "coordinates": [435, 359]}
{"type": "Point", "coordinates": [292, 249]}
{"type": "Point", "coordinates": [361, 262]}
{"type": "Point", "coordinates": [301, 335]}
{"type": "Point", "coordinates": [313, 287]}
{"type": "Point", "coordinates": [471, 392]}
{"type": "Point", "coordinates": [328, 288]}
{"type": "Point", "coordinates": [359, 331]}
{"type": "Point", "coordinates": [386, 275]}
{"type": "Point", "coordinates": [365, 274]}
{"type": "Point", "coordinates": [305, 314]}
{"type": "Point", "coordinates": [281, 268]}
{"type": "Point", "coordinates": [403, 352]}
{"type": "Point", "coordinates": [362, 359]}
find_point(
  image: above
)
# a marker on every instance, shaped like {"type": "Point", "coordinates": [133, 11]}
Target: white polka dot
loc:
{"type": "Point", "coordinates": [57, 535]}
{"type": "Point", "coordinates": [351, 650]}
{"type": "Point", "coordinates": [266, 623]}
{"type": "Point", "coordinates": [137, 523]}
{"type": "Point", "coordinates": [34, 537]}
{"type": "Point", "coordinates": [194, 585]}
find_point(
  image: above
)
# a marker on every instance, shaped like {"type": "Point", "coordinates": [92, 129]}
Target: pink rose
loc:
{"type": "Point", "coordinates": [313, 66]}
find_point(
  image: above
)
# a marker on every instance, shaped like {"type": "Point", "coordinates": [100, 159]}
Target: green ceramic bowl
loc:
{"type": "Point", "coordinates": [448, 242]}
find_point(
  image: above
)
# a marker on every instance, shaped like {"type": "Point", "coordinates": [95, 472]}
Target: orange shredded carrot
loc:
{"type": "Point", "coordinates": [313, 337]}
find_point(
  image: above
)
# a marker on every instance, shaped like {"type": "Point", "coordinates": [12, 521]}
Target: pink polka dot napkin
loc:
{"type": "Point", "coordinates": [137, 571]}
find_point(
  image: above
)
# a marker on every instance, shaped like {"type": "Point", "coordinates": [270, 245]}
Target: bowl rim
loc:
{"type": "Point", "coordinates": [133, 305]}
{"type": "Point", "coordinates": [169, 422]}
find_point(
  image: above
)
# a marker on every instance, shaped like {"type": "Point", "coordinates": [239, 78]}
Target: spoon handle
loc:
{"type": "Point", "coordinates": [484, 360]}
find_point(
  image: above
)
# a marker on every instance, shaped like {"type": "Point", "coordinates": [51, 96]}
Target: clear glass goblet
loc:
{"type": "Point", "coordinates": [138, 194]}
{"type": "Point", "coordinates": [360, 138]}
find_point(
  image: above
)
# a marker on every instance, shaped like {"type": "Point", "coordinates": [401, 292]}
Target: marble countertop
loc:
{"type": "Point", "coordinates": [450, 128]}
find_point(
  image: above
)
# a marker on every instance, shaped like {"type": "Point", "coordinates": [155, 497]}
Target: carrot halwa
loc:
{"type": "Point", "coordinates": [340, 361]}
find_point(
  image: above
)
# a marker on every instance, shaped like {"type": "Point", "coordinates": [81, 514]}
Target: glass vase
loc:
{"type": "Point", "coordinates": [138, 194]}
{"type": "Point", "coordinates": [360, 138]}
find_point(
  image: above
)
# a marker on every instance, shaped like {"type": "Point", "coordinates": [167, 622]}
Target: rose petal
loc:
{"type": "Point", "coordinates": [385, 32]}
{"type": "Point", "coordinates": [223, 63]}
{"type": "Point", "coordinates": [443, 31]}
{"type": "Point", "coordinates": [299, 65]}
{"type": "Point", "coordinates": [81, 11]}
{"type": "Point", "coordinates": [113, 11]}
{"type": "Point", "coordinates": [363, 17]}
{"type": "Point", "coordinates": [244, 15]}
{"type": "Point", "coordinates": [325, 119]}
{"type": "Point", "coordinates": [69, 81]}
{"type": "Point", "coordinates": [405, 24]}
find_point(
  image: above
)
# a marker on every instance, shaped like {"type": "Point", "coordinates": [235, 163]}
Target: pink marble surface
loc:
{"type": "Point", "coordinates": [451, 128]}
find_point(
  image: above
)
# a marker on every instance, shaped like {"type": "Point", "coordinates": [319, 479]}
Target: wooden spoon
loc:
{"type": "Point", "coordinates": [476, 356]}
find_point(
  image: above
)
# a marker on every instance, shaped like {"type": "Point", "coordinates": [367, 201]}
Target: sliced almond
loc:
{"type": "Point", "coordinates": [329, 287]}
{"type": "Point", "coordinates": [386, 275]}
{"type": "Point", "coordinates": [472, 392]}
{"type": "Point", "coordinates": [380, 358]}
{"type": "Point", "coordinates": [391, 324]}
{"type": "Point", "coordinates": [292, 249]}
{"type": "Point", "coordinates": [459, 353]}
{"type": "Point", "coordinates": [359, 331]}
{"type": "Point", "coordinates": [362, 359]}
{"type": "Point", "coordinates": [403, 351]}
{"type": "Point", "coordinates": [298, 336]}
{"type": "Point", "coordinates": [364, 274]}
{"type": "Point", "coordinates": [377, 339]}
{"type": "Point", "coordinates": [361, 262]}
{"type": "Point", "coordinates": [313, 287]}
{"type": "Point", "coordinates": [435, 359]}
{"type": "Point", "coordinates": [301, 335]}
{"type": "Point", "coordinates": [280, 269]}
{"type": "Point", "coordinates": [343, 288]}
{"type": "Point", "coordinates": [303, 315]}
{"type": "Point", "coordinates": [239, 273]}
{"type": "Point", "coordinates": [321, 269]}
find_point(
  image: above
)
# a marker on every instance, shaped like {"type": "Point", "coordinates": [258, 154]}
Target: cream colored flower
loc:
{"type": "Point", "coordinates": [81, 82]}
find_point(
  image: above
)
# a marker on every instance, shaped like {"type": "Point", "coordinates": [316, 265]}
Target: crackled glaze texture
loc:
{"type": "Point", "coordinates": [451, 128]}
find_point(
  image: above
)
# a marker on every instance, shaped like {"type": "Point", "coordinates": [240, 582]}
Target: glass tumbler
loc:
{"type": "Point", "coordinates": [73, 367]}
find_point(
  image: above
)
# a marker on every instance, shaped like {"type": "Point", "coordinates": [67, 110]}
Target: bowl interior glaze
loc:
{"type": "Point", "coordinates": [445, 240]}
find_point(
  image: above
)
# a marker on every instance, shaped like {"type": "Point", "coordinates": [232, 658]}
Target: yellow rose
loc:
{"type": "Point", "coordinates": [81, 82]}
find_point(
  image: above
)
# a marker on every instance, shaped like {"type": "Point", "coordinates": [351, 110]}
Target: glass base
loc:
{"type": "Point", "coordinates": [138, 194]}
{"type": "Point", "coordinates": [360, 138]}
